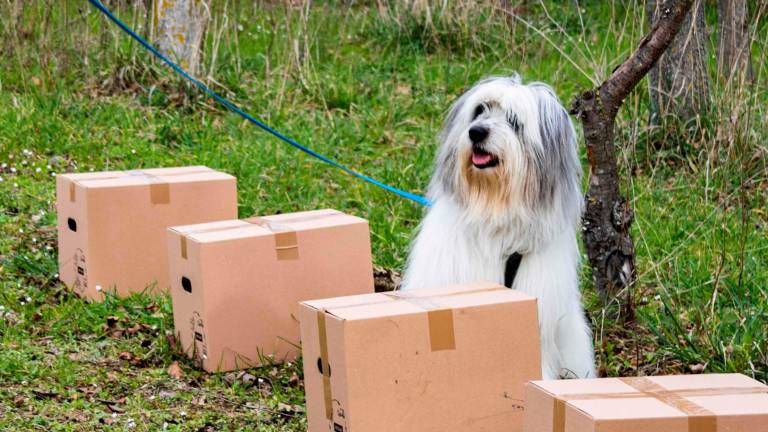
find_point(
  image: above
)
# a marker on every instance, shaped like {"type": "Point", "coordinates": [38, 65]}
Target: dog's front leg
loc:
{"type": "Point", "coordinates": [551, 275]}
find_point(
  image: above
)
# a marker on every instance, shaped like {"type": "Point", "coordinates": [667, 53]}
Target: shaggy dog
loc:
{"type": "Point", "coordinates": [505, 208]}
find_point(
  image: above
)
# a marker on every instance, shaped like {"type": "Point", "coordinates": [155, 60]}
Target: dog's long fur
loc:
{"type": "Point", "coordinates": [528, 203]}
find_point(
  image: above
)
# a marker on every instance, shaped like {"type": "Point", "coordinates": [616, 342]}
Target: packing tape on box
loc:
{"type": "Point", "coordinates": [183, 246]}
{"type": "Point", "coordinates": [324, 365]}
{"type": "Point", "coordinates": [286, 239]}
{"type": "Point", "coordinates": [700, 419]}
{"type": "Point", "coordinates": [442, 336]}
{"type": "Point", "coordinates": [159, 189]}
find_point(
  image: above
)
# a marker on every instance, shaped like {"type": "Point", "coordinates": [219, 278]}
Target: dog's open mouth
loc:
{"type": "Point", "coordinates": [481, 159]}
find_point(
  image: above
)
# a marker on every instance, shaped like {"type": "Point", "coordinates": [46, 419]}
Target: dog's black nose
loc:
{"type": "Point", "coordinates": [477, 134]}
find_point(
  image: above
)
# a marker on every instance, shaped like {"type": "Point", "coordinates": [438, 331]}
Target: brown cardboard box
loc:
{"type": "Point", "coordinates": [111, 225]}
{"type": "Point", "coordinates": [678, 403]}
{"type": "Point", "coordinates": [447, 359]}
{"type": "Point", "coordinates": [236, 284]}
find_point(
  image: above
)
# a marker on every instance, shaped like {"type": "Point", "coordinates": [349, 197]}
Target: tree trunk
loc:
{"type": "Point", "coordinates": [679, 82]}
{"type": "Point", "coordinates": [608, 215]}
{"type": "Point", "coordinates": [179, 26]}
{"type": "Point", "coordinates": [734, 62]}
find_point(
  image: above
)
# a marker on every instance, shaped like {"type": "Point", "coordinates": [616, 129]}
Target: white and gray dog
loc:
{"type": "Point", "coordinates": [506, 204]}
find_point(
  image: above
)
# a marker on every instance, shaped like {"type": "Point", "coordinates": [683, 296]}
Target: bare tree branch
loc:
{"type": "Point", "coordinates": [608, 215]}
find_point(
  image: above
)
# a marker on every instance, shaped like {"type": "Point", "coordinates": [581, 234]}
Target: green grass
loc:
{"type": "Point", "coordinates": [371, 94]}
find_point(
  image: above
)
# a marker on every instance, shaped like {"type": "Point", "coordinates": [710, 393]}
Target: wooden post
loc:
{"type": "Point", "coordinates": [178, 29]}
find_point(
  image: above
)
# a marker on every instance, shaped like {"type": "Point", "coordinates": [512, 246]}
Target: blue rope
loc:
{"type": "Point", "coordinates": [413, 197]}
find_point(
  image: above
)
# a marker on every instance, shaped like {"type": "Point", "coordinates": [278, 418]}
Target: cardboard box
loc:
{"type": "Point", "coordinates": [111, 225]}
{"type": "Point", "coordinates": [236, 284]}
{"type": "Point", "coordinates": [448, 359]}
{"type": "Point", "coordinates": [680, 403]}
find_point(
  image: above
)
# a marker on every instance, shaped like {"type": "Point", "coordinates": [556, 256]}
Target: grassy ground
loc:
{"type": "Point", "coordinates": [369, 90]}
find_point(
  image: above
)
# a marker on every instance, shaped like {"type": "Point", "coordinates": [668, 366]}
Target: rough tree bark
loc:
{"type": "Point", "coordinates": [178, 29]}
{"type": "Point", "coordinates": [608, 215]}
{"type": "Point", "coordinates": [734, 61]}
{"type": "Point", "coordinates": [679, 82]}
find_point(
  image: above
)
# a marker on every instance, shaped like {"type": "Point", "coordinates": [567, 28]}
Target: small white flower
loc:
{"type": "Point", "coordinates": [165, 425]}
{"type": "Point", "coordinates": [56, 275]}
{"type": "Point", "coordinates": [183, 413]}
{"type": "Point", "coordinates": [22, 303]}
{"type": "Point", "coordinates": [657, 297]}
{"type": "Point", "coordinates": [131, 424]}
{"type": "Point", "coordinates": [28, 298]}
{"type": "Point", "coordinates": [38, 169]}
{"type": "Point", "coordinates": [133, 151]}
{"type": "Point", "coordinates": [21, 231]}
{"type": "Point", "coordinates": [2, 308]}
{"type": "Point", "coordinates": [53, 174]}
{"type": "Point", "coordinates": [13, 169]}
{"type": "Point", "coordinates": [1, 180]}
{"type": "Point", "coordinates": [98, 288]}
{"type": "Point", "coordinates": [114, 415]}
{"type": "Point", "coordinates": [34, 239]}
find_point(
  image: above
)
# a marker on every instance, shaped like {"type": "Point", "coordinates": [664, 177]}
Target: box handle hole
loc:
{"type": "Point", "coordinates": [186, 284]}
{"type": "Point", "coordinates": [320, 366]}
{"type": "Point", "coordinates": [72, 224]}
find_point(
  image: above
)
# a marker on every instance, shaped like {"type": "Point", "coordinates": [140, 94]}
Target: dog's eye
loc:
{"type": "Point", "coordinates": [478, 111]}
{"type": "Point", "coordinates": [514, 123]}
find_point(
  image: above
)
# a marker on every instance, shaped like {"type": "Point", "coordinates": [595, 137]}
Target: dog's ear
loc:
{"type": "Point", "coordinates": [560, 160]}
{"type": "Point", "coordinates": [445, 174]}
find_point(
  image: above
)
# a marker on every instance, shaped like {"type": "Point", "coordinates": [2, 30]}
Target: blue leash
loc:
{"type": "Point", "coordinates": [413, 197]}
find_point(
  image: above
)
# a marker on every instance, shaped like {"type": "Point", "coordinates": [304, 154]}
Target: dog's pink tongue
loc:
{"type": "Point", "coordinates": [480, 158]}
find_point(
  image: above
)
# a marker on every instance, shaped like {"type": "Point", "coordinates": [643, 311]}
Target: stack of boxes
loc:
{"type": "Point", "coordinates": [245, 293]}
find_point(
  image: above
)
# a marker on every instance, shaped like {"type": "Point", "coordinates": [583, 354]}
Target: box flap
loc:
{"type": "Point", "coordinates": [283, 224]}
{"type": "Point", "coordinates": [108, 179]}
{"type": "Point", "coordinates": [418, 301]}
{"type": "Point", "coordinates": [313, 219]}
{"type": "Point", "coordinates": [701, 396]}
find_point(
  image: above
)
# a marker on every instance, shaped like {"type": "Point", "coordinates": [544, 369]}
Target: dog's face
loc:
{"type": "Point", "coordinates": [507, 147]}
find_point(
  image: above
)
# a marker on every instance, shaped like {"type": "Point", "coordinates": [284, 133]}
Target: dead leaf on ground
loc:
{"type": "Point", "coordinates": [697, 368]}
{"type": "Point", "coordinates": [113, 406]}
{"type": "Point", "coordinates": [42, 394]}
{"type": "Point", "coordinates": [171, 341]}
{"type": "Point", "coordinates": [175, 371]}
{"type": "Point", "coordinates": [166, 394]}
{"type": "Point", "coordinates": [77, 416]}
